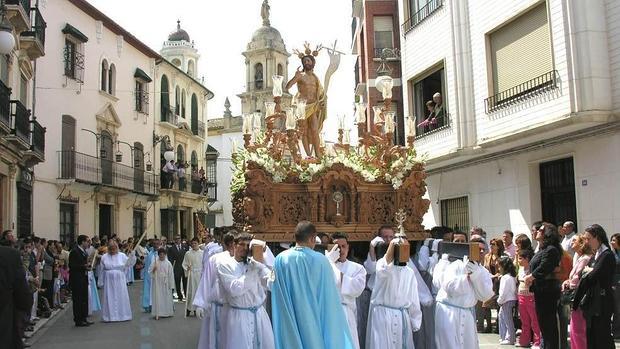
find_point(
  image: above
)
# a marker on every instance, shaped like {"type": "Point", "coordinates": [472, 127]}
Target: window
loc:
{"type": "Point", "coordinates": [258, 76]}
{"type": "Point", "coordinates": [455, 213]}
{"type": "Point", "coordinates": [165, 99]}
{"type": "Point", "coordinates": [211, 156]}
{"type": "Point", "coordinates": [280, 70]}
{"type": "Point", "coordinates": [74, 60]}
{"type": "Point", "coordinates": [138, 223]}
{"type": "Point", "coordinates": [177, 100]}
{"type": "Point", "coordinates": [104, 75]}
{"type": "Point", "coordinates": [142, 97]}
{"type": "Point", "coordinates": [384, 36]}
{"type": "Point", "coordinates": [429, 101]}
{"type": "Point", "coordinates": [23, 89]}
{"type": "Point", "coordinates": [68, 223]}
{"type": "Point", "coordinates": [194, 115]}
{"type": "Point", "coordinates": [183, 102]}
{"type": "Point", "coordinates": [112, 80]}
{"type": "Point", "coordinates": [419, 10]}
{"type": "Point", "coordinates": [4, 69]}
{"type": "Point", "coordinates": [526, 40]}
{"type": "Point", "coordinates": [176, 62]}
{"type": "Point", "coordinates": [191, 71]}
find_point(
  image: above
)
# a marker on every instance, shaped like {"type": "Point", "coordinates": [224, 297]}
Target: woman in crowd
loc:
{"type": "Point", "coordinates": [577, 321]}
{"type": "Point", "coordinates": [615, 246]}
{"type": "Point", "coordinates": [522, 242]}
{"type": "Point", "coordinates": [594, 294]}
{"type": "Point", "coordinates": [491, 263]}
{"type": "Point", "coordinates": [544, 284]}
{"type": "Point", "coordinates": [48, 272]}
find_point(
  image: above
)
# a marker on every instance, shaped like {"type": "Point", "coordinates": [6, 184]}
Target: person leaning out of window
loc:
{"type": "Point", "coordinates": [594, 293]}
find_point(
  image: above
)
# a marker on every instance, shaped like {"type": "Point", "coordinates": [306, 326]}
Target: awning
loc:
{"type": "Point", "coordinates": [140, 74]}
{"type": "Point", "coordinates": [73, 31]}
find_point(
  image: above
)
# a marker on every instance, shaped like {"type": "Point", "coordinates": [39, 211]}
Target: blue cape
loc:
{"type": "Point", "coordinates": [146, 277]}
{"type": "Point", "coordinates": [306, 307]}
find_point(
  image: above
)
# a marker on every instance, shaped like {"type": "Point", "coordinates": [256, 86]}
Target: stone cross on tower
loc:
{"type": "Point", "coordinates": [264, 12]}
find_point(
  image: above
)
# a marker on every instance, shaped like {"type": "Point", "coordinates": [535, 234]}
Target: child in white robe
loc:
{"type": "Point", "coordinates": [162, 286]}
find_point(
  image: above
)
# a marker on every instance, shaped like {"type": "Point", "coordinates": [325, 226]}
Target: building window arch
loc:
{"type": "Point", "coordinates": [176, 62]}
{"type": "Point", "coordinates": [180, 154]}
{"type": "Point", "coordinates": [191, 68]}
{"type": "Point", "coordinates": [104, 75]}
{"type": "Point", "coordinates": [165, 99]}
{"type": "Point", "coordinates": [280, 70]}
{"type": "Point", "coordinates": [258, 76]}
{"type": "Point", "coordinates": [194, 114]}
{"type": "Point", "coordinates": [112, 79]}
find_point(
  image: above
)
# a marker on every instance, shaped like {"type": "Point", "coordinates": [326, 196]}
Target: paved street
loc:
{"type": "Point", "coordinates": [142, 332]}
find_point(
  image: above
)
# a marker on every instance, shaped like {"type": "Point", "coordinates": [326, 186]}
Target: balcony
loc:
{"type": "Point", "coordinates": [37, 141]}
{"type": "Point", "coordinates": [528, 89]}
{"type": "Point", "coordinates": [168, 115]}
{"type": "Point", "coordinates": [33, 40]}
{"type": "Point", "coordinates": [193, 186]}
{"type": "Point", "coordinates": [91, 170]}
{"type": "Point", "coordinates": [199, 129]}
{"type": "Point", "coordinates": [5, 109]}
{"type": "Point", "coordinates": [18, 13]}
{"type": "Point", "coordinates": [20, 125]}
{"type": "Point", "coordinates": [142, 101]}
{"type": "Point", "coordinates": [379, 51]}
{"type": "Point", "coordinates": [74, 64]}
{"type": "Point", "coordinates": [423, 13]}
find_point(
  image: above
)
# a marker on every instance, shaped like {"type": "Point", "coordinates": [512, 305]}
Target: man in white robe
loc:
{"type": "Point", "coordinates": [350, 281]}
{"type": "Point", "coordinates": [162, 286]}
{"type": "Point", "coordinates": [461, 285]}
{"type": "Point", "coordinates": [192, 265]}
{"type": "Point", "coordinates": [244, 283]}
{"type": "Point", "coordinates": [115, 303]}
{"type": "Point", "coordinates": [210, 301]}
{"type": "Point", "coordinates": [394, 307]}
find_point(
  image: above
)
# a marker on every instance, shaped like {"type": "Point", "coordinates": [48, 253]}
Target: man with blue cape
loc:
{"type": "Point", "coordinates": [306, 307]}
{"type": "Point", "coordinates": [146, 276]}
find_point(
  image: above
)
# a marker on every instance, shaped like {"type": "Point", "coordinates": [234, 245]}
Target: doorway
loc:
{"type": "Point", "coordinates": [557, 191]}
{"type": "Point", "coordinates": [105, 221]}
{"type": "Point", "coordinates": [183, 223]}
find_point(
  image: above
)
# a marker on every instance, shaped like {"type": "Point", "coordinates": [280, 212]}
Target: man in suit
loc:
{"type": "Point", "coordinates": [15, 295]}
{"type": "Point", "coordinates": [78, 280]}
{"type": "Point", "coordinates": [176, 253]}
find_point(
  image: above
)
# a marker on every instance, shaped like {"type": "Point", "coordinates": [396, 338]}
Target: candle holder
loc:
{"type": "Point", "coordinates": [340, 135]}
{"type": "Point", "coordinates": [246, 140]}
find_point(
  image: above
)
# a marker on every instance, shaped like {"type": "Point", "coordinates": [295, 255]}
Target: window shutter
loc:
{"type": "Point", "coordinates": [521, 50]}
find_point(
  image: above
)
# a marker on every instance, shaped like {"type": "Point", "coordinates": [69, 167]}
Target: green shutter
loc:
{"type": "Point", "coordinates": [521, 50]}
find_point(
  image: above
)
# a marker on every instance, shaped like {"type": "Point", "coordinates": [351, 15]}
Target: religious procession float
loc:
{"type": "Point", "coordinates": [285, 173]}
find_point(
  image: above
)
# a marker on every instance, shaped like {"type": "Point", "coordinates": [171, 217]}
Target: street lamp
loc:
{"type": "Point", "coordinates": [7, 40]}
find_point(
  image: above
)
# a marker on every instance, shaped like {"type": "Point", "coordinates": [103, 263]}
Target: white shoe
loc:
{"type": "Point", "coordinates": [535, 347]}
{"type": "Point", "coordinates": [505, 342]}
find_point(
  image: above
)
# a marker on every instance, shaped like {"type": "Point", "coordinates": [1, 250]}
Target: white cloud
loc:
{"type": "Point", "coordinates": [222, 30]}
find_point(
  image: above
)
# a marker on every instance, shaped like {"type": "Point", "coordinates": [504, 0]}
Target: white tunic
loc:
{"type": "Point", "coordinates": [350, 285]}
{"type": "Point", "coordinates": [115, 303]}
{"type": "Point", "coordinates": [162, 276]}
{"type": "Point", "coordinates": [455, 322]}
{"type": "Point", "coordinates": [394, 308]}
{"type": "Point", "coordinates": [192, 265]}
{"type": "Point", "coordinates": [244, 286]}
{"type": "Point", "coordinates": [210, 296]}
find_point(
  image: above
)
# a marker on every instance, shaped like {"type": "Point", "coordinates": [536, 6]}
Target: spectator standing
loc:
{"type": "Point", "coordinates": [545, 285]}
{"type": "Point", "coordinates": [507, 300]}
{"type": "Point", "coordinates": [78, 279]}
{"type": "Point", "coordinates": [181, 176]}
{"type": "Point", "coordinates": [527, 307]}
{"type": "Point", "coordinates": [568, 235]}
{"type": "Point", "coordinates": [583, 253]}
{"type": "Point", "coordinates": [16, 297]}
{"type": "Point", "coordinates": [615, 246]}
{"type": "Point", "coordinates": [509, 248]}
{"type": "Point", "coordinates": [594, 292]}
{"type": "Point", "coordinates": [168, 171]}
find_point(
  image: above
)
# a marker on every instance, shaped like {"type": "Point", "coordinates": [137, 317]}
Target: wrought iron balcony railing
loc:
{"type": "Point", "coordinates": [25, 4]}
{"type": "Point", "coordinates": [37, 138]}
{"type": "Point", "coordinates": [423, 13]}
{"type": "Point", "coordinates": [528, 89]}
{"type": "Point", "coordinates": [74, 64]}
{"type": "Point", "coordinates": [142, 101]}
{"type": "Point", "coordinates": [199, 129]}
{"type": "Point", "coordinates": [37, 28]}
{"type": "Point", "coordinates": [100, 171]}
{"type": "Point", "coordinates": [20, 122]}
{"type": "Point", "coordinates": [5, 106]}
{"type": "Point", "coordinates": [168, 115]}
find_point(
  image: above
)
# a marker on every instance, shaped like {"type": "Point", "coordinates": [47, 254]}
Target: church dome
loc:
{"type": "Point", "coordinates": [267, 37]}
{"type": "Point", "coordinates": [179, 34]}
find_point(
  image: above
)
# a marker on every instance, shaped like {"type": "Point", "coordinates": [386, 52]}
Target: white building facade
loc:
{"type": "Point", "coordinates": [100, 88]}
{"type": "Point", "coordinates": [531, 91]}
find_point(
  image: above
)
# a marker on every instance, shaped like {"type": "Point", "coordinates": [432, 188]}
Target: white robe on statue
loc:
{"type": "Point", "coordinates": [350, 284]}
{"type": "Point", "coordinates": [455, 318]}
{"type": "Point", "coordinates": [162, 286]}
{"type": "Point", "coordinates": [394, 308]}
{"type": "Point", "coordinates": [115, 302]}
{"type": "Point", "coordinates": [247, 320]}
{"type": "Point", "coordinates": [192, 265]}
{"type": "Point", "coordinates": [210, 297]}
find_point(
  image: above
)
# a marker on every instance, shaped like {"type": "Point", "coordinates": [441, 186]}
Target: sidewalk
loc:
{"type": "Point", "coordinates": [45, 323]}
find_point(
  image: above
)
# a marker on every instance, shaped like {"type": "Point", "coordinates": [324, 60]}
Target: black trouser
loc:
{"type": "Point", "coordinates": [79, 295]}
{"type": "Point", "coordinates": [599, 332]}
{"type": "Point", "coordinates": [547, 296]}
{"type": "Point", "coordinates": [179, 277]}
{"type": "Point", "coordinates": [563, 317]}
{"type": "Point", "coordinates": [48, 285]}
{"type": "Point", "coordinates": [616, 322]}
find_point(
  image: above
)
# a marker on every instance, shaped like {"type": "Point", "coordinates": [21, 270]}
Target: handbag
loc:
{"type": "Point", "coordinates": [568, 296]}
